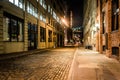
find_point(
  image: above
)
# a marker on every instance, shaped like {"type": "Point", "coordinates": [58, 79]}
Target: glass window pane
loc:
{"type": "Point", "coordinates": [16, 2]}
{"type": "Point", "coordinates": [36, 15]}
{"type": "Point", "coordinates": [42, 34]}
{"type": "Point", "coordinates": [31, 8]}
{"type": "Point", "coordinates": [40, 16]}
{"type": "Point", "coordinates": [44, 18]}
{"type": "Point", "coordinates": [20, 4]}
{"type": "Point", "coordinates": [14, 30]}
{"type": "Point", "coordinates": [11, 1]}
{"type": "Point", "coordinates": [48, 8]}
{"type": "Point", "coordinates": [20, 35]}
{"type": "Point", "coordinates": [41, 1]}
{"type": "Point", "coordinates": [28, 7]}
{"type": "Point", "coordinates": [6, 29]}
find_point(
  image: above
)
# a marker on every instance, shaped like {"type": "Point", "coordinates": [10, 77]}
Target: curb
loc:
{"type": "Point", "coordinates": [20, 54]}
{"type": "Point", "coordinates": [70, 77]}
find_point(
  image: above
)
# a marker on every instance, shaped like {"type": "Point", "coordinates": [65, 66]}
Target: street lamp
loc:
{"type": "Point", "coordinates": [64, 21]}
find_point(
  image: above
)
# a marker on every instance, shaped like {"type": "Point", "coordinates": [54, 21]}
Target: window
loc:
{"type": "Point", "coordinates": [41, 1]}
{"type": "Point", "coordinates": [115, 15]}
{"type": "Point", "coordinates": [16, 2]}
{"type": "Point", "coordinates": [35, 13]}
{"type": "Point", "coordinates": [104, 48]}
{"type": "Point", "coordinates": [20, 27]}
{"type": "Point", "coordinates": [43, 17]}
{"type": "Point", "coordinates": [42, 34]}
{"type": "Point", "coordinates": [13, 28]}
{"type": "Point", "coordinates": [19, 3]}
{"type": "Point", "coordinates": [11, 1]}
{"type": "Point", "coordinates": [31, 9]}
{"type": "Point", "coordinates": [115, 51]}
{"type": "Point", "coordinates": [49, 36]}
{"type": "Point", "coordinates": [103, 22]}
{"type": "Point", "coordinates": [6, 36]}
{"type": "Point", "coordinates": [54, 15]}
{"type": "Point", "coordinates": [49, 8]}
{"type": "Point", "coordinates": [43, 4]}
{"type": "Point", "coordinates": [51, 11]}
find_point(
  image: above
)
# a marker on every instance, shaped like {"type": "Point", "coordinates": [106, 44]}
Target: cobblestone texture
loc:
{"type": "Point", "coordinates": [52, 65]}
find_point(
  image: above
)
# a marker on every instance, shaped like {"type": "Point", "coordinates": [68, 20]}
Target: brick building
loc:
{"type": "Point", "coordinates": [107, 26]}
{"type": "Point", "coordinates": [30, 24]}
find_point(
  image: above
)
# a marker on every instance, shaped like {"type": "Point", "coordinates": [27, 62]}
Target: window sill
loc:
{"type": "Point", "coordinates": [114, 31]}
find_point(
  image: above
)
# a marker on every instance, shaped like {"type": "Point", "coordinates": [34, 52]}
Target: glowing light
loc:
{"type": "Point", "coordinates": [64, 22]}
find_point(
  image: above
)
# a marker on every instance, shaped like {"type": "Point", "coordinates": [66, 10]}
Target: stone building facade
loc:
{"type": "Point", "coordinates": [107, 21]}
{"type": "Point", "coordinates": [30, 24]}
{"type": "Point", "coordinates": [89, 24]}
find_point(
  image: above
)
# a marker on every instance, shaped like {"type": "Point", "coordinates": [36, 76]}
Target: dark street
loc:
{"type": "Point", "coordinates": [51, 65]}
{"type": "Point", "coordinates": [59, 40]}
{"type": "Point", "coordinates": [60, 64]}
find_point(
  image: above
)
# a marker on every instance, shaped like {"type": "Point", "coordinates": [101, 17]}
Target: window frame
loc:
{"type": "Point", "coordinates": [16, 33]}
{"type": "Point", "coordinates": [42, 34]}
{"type": "Point", "coordinates": [115, 15]}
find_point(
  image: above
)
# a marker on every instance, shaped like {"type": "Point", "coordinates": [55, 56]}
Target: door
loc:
{"type": "Point", "coordinates": [32, 36]}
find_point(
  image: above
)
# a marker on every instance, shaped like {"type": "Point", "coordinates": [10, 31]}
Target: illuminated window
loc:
{"type": "Point", "coordinates": [20, 35]}
{"type": "Point", "coordinates": [49, 36]}
{"type": "Point", "coordinates": [42, 34]}
{"type": "Point", "coordinates": [31, 9]}
{"type": "Point", "coordinates": [11, 1]}
{"type": "Point", "coordinates": [41, 1]}
{"type": "Point", "coordinates": [35, 14]}
{"type": "Point", "coordinates": [43, 17]}
{"type": "Point", "coordinates": [6, 36]}
{"type": "Point", "coordinates": [49, 8]}
{"type": "Point", "coordinates": [28, 7]}
{"type": "Point", "coordinates": [13, 28]}
{"type": "Point", "coordinates": [115, 15]}
{"type": "Point", "coordinates": [43, 4]}
{"type": "Point", "coordinates": [16, 2]}
{"type": "Point", "coordinates": [19, 3]}
{"type": "Point", "coordinates": [54, 15]}
{"type": "Point", "coordinates": [51, 11]}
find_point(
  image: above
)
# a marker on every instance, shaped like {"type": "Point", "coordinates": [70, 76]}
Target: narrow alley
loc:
{"type": "Point", "coordinates": [60, 64]}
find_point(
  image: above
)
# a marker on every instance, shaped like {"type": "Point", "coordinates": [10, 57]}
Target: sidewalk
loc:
{"type": "Point", "coordinates": [19, 54]}
{"type": "Point", "coordinates": [90, 65]}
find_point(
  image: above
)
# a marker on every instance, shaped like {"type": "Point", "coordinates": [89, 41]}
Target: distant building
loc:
{"type": "Point", "coordinates": [31, 24]}
{"type": "Point", "coordinates": [102, 26]}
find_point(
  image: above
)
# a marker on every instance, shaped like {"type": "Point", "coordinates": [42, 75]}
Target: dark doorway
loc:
{"type": "Point", "coordinates": [115, 51]}
{"type": "Point", "coordinates": [32, 36]}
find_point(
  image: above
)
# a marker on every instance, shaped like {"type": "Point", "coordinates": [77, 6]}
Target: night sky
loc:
{"type": "Point", "coordinates": [77, 7]}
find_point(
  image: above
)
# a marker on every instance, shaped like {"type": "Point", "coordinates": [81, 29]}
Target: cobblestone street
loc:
{"type": "Point", "coordinates": [60, 64]}
{"type": "Point", "coordinates": [50, 65]}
